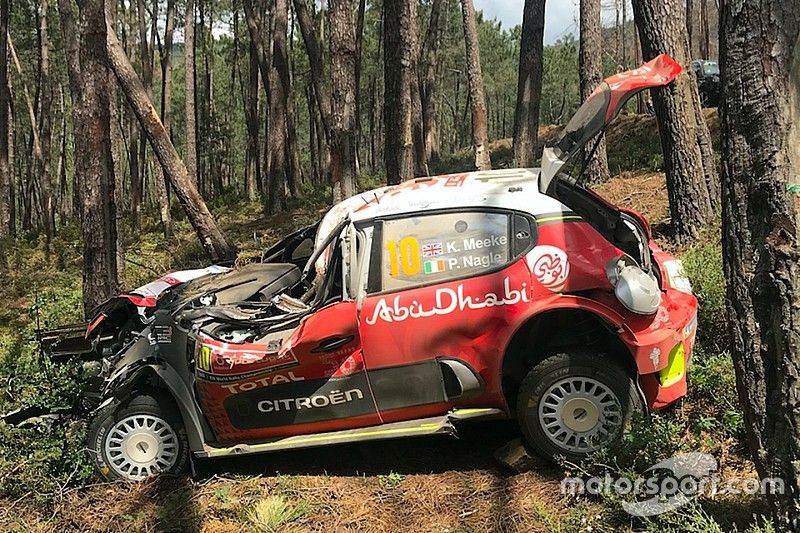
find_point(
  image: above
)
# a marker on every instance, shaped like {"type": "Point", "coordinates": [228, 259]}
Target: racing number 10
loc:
{"type": "Point", "coordinates": [404, 256]}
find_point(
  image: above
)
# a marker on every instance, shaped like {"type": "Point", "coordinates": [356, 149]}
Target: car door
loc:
{"type": "Point", "coordinates": [438, 301]}
{"type": "Point", "coordinates": [307, 378]}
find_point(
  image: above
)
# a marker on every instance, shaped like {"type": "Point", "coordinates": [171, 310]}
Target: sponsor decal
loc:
{"type": "Point", "coordinates": [432, 250]}
{"type": "Point", "coordinates": [301, 402]}
{"type": "Point", "coordinates": [447, 301]}
{"type": "Point", "coordinates": [549, 265]}
{"type": "Point", "coordinates": [655, 357]}
{"type": "Point", "coordinates": [276, 379]}
{"type": "Point", "coordinates": [249, 359]}
{"type": "Point", "coordinates": [317, 401]}
{"type": "Point", "coordinates": [455, 180]}
{"type": "Point", "coordinates": [204, 359]}
{"type": "Point", "coordinates": [160, 335]}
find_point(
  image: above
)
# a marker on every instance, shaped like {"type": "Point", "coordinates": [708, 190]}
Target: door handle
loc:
{"type": "Point", "coordinates": [332, 343]}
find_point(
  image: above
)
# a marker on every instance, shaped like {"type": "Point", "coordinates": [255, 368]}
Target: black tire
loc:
{"type": "Point", "coordinates": [150, 406]}
{"type": "Point", "coordinates": [554, 370]}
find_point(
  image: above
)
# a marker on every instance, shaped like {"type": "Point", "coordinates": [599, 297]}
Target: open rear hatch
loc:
{"type": "Point", "coordinates": [626, 229]}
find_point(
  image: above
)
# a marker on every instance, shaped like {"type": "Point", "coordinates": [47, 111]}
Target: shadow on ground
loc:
{"type": "Point", "coordinates": [473, 449]}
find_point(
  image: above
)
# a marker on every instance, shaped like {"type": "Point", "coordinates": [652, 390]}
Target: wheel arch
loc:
{"type": "Point", "coordinates": [574, 323]}
{"type": "Point", "coordinates": [165, 378]}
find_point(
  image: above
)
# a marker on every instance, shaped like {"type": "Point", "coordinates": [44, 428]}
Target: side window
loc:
{"type": "Point", "coordinates": [428, 249]}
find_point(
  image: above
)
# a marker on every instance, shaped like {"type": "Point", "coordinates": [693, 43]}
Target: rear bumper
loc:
{"type": "Point", "coordinates": [663, 350]}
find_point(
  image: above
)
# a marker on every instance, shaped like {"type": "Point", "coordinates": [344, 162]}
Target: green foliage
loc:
{"type": "Point", "coordinates": [703, 263]}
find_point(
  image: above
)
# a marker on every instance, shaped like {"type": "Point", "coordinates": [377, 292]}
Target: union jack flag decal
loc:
{"type": "Point", "coordinates": [432, 250]}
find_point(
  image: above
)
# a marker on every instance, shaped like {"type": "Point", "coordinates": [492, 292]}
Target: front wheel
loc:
{"type": "Point", "coordinates": [572, 404]}
{"type": "Point", "coordinates": [140, 438]}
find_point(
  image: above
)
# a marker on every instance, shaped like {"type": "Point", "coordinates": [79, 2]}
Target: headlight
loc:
{"type": "Point", "coordinates": [676, 276]}
{"type": "Point", "coordinates": [637, 290]}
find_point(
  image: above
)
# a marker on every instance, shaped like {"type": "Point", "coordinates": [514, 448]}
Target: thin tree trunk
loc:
{"type": "Point", "coordinates": [760, 59]}
{"type": "Point", "coordinates": [477, 98]}
{"type": "Point", "coordinates": [205, 225]}
{"type": "Point", "coordinates": [690, 25]}
{"type": "Point", "coordinates": [428, 84]}
{"type": "Point", "coordinates": [591, 75]}
{"type": "Point", "coordinates": [691, 177]}
{"type": "Point", "coordinates": [251, 112]}
{"type": "Point", "coordinates": [5, 101]}
{"type": "Point", "coordinates": [279, 101]}
{"type": "Point", "coordinates": [45, 104]}
{"type": "Point", "coordinates": [166, 112]}
{"type": "Point", "coordinates": [529, 86]}
{"type": "Point", "coordinates": [343, 80]}
{"type": "Point", "coordinates": [189, 69]}
{"type": "Point", "coordinates": [706, 42]}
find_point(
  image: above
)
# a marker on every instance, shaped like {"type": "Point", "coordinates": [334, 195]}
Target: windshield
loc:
{"type": "Point", "coordinates": [711, 68]}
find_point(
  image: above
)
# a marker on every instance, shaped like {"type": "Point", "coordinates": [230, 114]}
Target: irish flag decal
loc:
{"type": "Point", "coordinates": [434, 267]}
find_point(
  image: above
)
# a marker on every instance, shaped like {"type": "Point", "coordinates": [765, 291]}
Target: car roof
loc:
{"type": "Point", "coordinates": [514, 189]}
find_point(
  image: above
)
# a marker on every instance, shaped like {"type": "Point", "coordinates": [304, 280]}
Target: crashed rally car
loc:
{"type": "Point", "coordinates": [407, 310]}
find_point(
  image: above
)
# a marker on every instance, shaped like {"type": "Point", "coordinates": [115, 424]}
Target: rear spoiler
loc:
{"type": "Point", "coordinates": [600, 109]}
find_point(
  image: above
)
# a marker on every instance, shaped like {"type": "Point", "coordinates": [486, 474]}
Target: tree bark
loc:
{"type": "Point", "coordinates": [189, 69]}
{"type": "Point", "coordinates": [343, 81]}
{"type": "Point", "coordinates": [529, 86]}
{"type": "Point", "coordinates": [428, 83]}
{"type": "Point", "coordinates": [691, 177]}
{"type": "Point", "coordinates": [166, 112]}
{"type": "Point", "coordinates": [690, 25]}
{"type": "Point", "coordinates": [400, 77]}
{"type": "Point", "coordinates": [5, 97]}
{"type": "Point", "coordinates": [314, 51]}
{"type": "Point", "coordinates": [760, 59]}
{"type": "Point", "coordinates": [477, 98]}
{"type": "Point", "coordinates": [205, 225]}
{"type": "Point", "coordinates": [591, 75]}
{"type": "Point", "coordinates": [45, 104]}
{"type": "Point", "coordinates": [250, 96]}
{"type": "Point", "coordinates": [275, 199]}
{"type": "Point", "coordinates": [88, 71]}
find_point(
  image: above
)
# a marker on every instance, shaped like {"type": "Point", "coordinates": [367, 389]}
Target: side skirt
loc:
{"type": "Point", "coordinates": [439, 425]}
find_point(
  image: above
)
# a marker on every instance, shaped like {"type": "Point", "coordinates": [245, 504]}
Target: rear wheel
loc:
{"type": "Point", "coordinates": [572, 404]}
{"type": "Point", "coordinates": [140, 438]}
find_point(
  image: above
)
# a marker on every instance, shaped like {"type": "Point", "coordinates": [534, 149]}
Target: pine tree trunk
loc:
{"type": "Point", "coordinates": [45, 104]}
{"type": "Point", "coordinates": [279, 101]}
{"type": "Point", "coordinates": [162, 188]}
{"type": "Point", "coordinates": [691, 177]}
{"type": "Point", "coordinates": [477, 98]}
{"type": "Point", "coordinates": [93, 162]}
{"type": "Point", "coordinates": [400, 77]}
{"type": "Point", "coordinates": [253, 169]}
{"type": "Point", "coordinates": [760, 57]}
{"type": "Point", "coordinates": [428, 84]}
{"type": "Point", "coordinates": [591, 75]}
{"type": "Point", "coordinates": [690, 25]}
{"type": "Point", "coordinates": [208, 231]}
{"type": "Point", "coordinates": [189, 69]}
{"type": "Point", "coordinates": [321, 91]}
{"type": "Point", "coordinates": [706, 51]}
{"type": "Point", "coordinates": [5, 97]}
{"type": "Point", "coordinates": [343, 81]}
{"type": "Point", "coordinates": [529, 85]}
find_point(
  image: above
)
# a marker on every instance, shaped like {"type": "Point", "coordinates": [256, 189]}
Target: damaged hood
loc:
{"type": "Point", "coordinates": [600, 109]}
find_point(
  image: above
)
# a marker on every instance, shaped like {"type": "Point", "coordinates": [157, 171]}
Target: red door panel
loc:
{"type": "Point", "coordinates": [308, 379]}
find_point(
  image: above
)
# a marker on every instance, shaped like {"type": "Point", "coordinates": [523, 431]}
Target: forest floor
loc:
{"type": "Point", "coordinates": [426, 484]}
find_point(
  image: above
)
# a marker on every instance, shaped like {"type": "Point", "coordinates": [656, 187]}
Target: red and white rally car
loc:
{"type": "Point", "coordinates": [407, 309]}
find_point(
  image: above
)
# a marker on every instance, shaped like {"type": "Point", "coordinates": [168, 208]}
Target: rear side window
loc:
{"type": "Point", "coordinates": [429, 249]}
